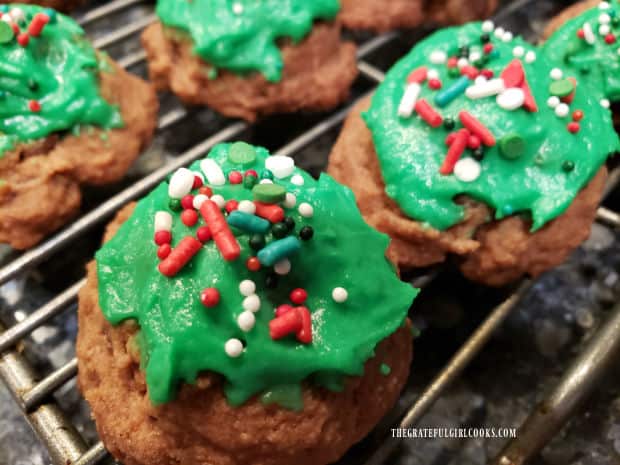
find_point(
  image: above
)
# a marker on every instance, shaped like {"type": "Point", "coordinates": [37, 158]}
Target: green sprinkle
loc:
{"type": "Point", "coordinates": [249, 182]}
{"type": "Point", "coordinates": [175, 205]}
{"type": "Point", "coordinates": [269, 193]}
{"type": "Point", "coordinates": [266, 174]}
{"type": "Point", "coordinates": [385, 369]}
{"type": "Point", "coordinates": [512, 146]}
{"type": "Point", "coordinates": [561, 88]}
{"type": "Point", "coordinates": [568, 166]}
{"type": "Point", "coordinates": [6, 33]}
{"type": "Point", "coordinates": [241, 153]}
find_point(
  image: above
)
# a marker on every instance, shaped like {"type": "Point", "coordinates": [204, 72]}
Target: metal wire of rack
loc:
{"type": "Point", "coordinates": [32, 393]}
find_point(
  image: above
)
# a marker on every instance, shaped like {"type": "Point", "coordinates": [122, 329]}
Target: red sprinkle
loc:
{"type": "Point", "coordinates": [298, 296]}
{"type": "Point", "coordinates": [163, 237]}
{"type": "Point", "coordinates": [530, 102]}
{"type": "Point", "coordinates": [206, 190]}
{"type": "Point", "coordinates": [470, 71]}
{"type": "Point", "coordinates": [188, 202]}
{"type": "Point", "coordinates": [488, 48]}
{"type": "Point", "coordinates": [37, 24]}
{"type": "Point", "coordinates": [15, 28]}
{"type": "Point", "coordinates": [282, 309]}
{"type": "Point", "coordinates": [253, 264]}
{"type": "Point", "coordinates": [418, 75]}
{"type": "Point", "coordinates": [271, 212]}
{"type": "Point", "coordinates": [282, 326]}
{"type": "Point", "coordinates": [203, 234]}
{"type": "Point", "coordinates": [231, 205]}
{"type": "Point", "coordinates": [581, 33]}
{"type": "Point", "coordinates": [428, 113]}
{"type": "Point", "coordinates": [434, 84]}
{"type": "Point", "coordinates": [210, 297]}
{"type": "Point", "coordinates": [455, 151]}
{"type": "Point", "coordinates": [222, 235]}
{"type": "Point", "coordinates": [189, 217]}
{"type": "Point", "coordinates": [473, 142]}
{"type": "Point", "coordinates": [573, 127]}
{"type": "Point", "coordinates": [235, 177]}
{"type": "Point", "coordinates": [163, 251]}
{"type": "Point", "coordinates": [23, 39]}
{"type": "Point", "coordinates": [34, 105]}
{"type": "Point", "coordinates": [450, 138]}
{"type": "Point", "coordinates": [197, 182]}
{"type": "Point", "coordinates": [452, 62]}
{"type": "Point", "coordinates": [577, 115]}
{"type": "Point", "coordinates": [487, 73]}
{"type": "Point", "coordinates": [304, 335]}
{"type": "Point", "coordinates": [477, 128]}
{"type": "Point", "coordinates": [513, 74]}
{"type": "Point", "coordinates": [251, 173]}
{"type": "Point", "coordinates": [610, 39]}
{"type": "Point", "coordinates": [180, 256]}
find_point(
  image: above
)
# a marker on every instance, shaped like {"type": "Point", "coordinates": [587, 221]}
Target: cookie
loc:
{"type": "Point", "coordinates": [59, 5]}
{"type": "Point", "coordinates": [280, 337]}
{"type": "Point", "coordinates": [394, 14]}
{"type": "Point", "coordinates": [477, 145]}
{"type": "Point", "coordinates": [73, 119]}
{"type": "Point", "coordinates": [293, 61]}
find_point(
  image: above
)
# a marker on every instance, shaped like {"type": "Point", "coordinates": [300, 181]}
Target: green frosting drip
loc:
{"type": "Point", "coordinates": [59, 70]}
{"type": "Point", "coordinates": [598, 62]}
{"type": "Point", "coordinates": [530, 178]}
{"type": "Point", "coordinates": [288, 396]}
{"type": "Point", "coordinates": [181, 338]}
{"type": "Point", "coordinates": [241, 35]}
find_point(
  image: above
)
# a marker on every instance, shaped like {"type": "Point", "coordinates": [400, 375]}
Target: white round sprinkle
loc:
{"type": "Point", "coordinates": [603, 5]}
{"type": "Point", "coordinates": [181, 183]}
{"type": "Point", "coordinates": [499, 32]}
{"type": "Point", "coordinates": [432, 74]}
{"type": "Point", "coordinates": [237, 8]}
{"type": "Point", "coordinates": [488, 26]}
{"type": "Point", "coordinates": [306, 210]}
{"type": "Point", "coordinates": [290, 200]}
{"type": "Point", "coordinates": [467, 170]}
{"type": "Point", "coordinates": [588, 33]}
{"type": "Point", "coordinates": [280, 166]}
{"type": "Point", "coordinates": [480, 80]}
{"type": "Point", "coordinates": [282, 267]}
{"type": "Point", "coordinates": [340, 294]}
{"type": "Point", "coordinates": [507, 37]}
{"type": "Point", "coordinates": [233, 348]}
{"type": "Point", "coordinates": [604, 18]}
{"type": "Point", "coordinates": [199, 200]}
{"type": "Point", "coordinates": [213, 172]}
{"type": "Point", "coordinates": [475, 56]}
{"type": "Point", "coordinates": [562, 110]}
{"type": "Point", "coordinates": [530, 57]}
{"type": "Point", "coordinates": [163, 221]}
{"type": "Point", "coordinates": [518, 51]}
{"type": "Point", "coordinates": [247, 287]}
{"type": "Point", "coordinates": [511, 99]}
{"type": "Point", "coordinates": [266, 181]}
{"type": "Point", "coordinates": [251, 303]}
{"type": "Point", "coordinates": [605, 103]}
{"type": "Point", "coordinates": [219, 200]}
{"type": "Point", "coordinates": [17, 14]}
{"type": "Point", "coordinates": [604, 29]}
{"type": "Point", "coordinates": [298, 180]}
{"type": "Point", "coordinates": [247, 206]}
{"type": "Point", "coordinates": [556, 73]}
{"type": "Point", "coordinates": [553, 101]}
{"type": "Point", "coordinates": [246, 321]}
{"type": "Point", "coordinates": [438, 57]}
{"type": "Point", "coordinates": [462, 62]}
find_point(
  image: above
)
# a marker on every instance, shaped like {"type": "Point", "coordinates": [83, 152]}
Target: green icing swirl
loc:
{"type": "Point", "coordinates": [180, 338]}
{"type": "Point", "coordinates": [538, 183]}
{"type": "Point", "coordinates": [59, 69]}
{"type": "Point", "coordinates": [598, 62]}
{"type": "Point", "coordinates": [241, 35]}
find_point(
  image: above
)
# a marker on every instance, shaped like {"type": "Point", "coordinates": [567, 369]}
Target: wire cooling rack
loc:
{"type": "Point", "coordinates": [121, 21]}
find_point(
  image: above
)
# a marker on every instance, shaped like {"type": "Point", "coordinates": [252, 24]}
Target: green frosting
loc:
{"type": "Point", "coordinates": [58, 70]}
{"type": "Point", "coordinates": [242, 35]}
{"type": "Point", "coordinates": [594, 60]}
{"type": "Point", "coordinates": [181, 338]}
{"type": "Point", "coordinates": [537, 166]}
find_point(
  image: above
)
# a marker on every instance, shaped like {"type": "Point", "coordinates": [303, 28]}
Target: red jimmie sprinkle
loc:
{"type": "Point", "coordinates": [222, 235]}
{"type": "Point", "coordinates": [288, 323]}
{"type": "Point", "coordinates": [282, 309]}
{"type": "Point", "coordinates": [304, 335]}
{"type": "Point", "coordinates": [180, 256]}
{"type": "Point", "coordinates": [34, 105]}
{"type": "Point", "coordinates": [477, 128]}
{"type": "Point", "coordinates": [15, 28]}
{"type": "Point", "coordinates": [513, 75]}
{"type": "Point", "coordinates": [163, 237]}
{"type": "Point", "coordinates": [37, 24]}
{"type": "Point", "coordinates": [418, 75]}
{"type": "Point", "coordinates": [428, 113]}
{"type": "Point", "coordinates": [455, 151]}
{"type": "Point", "coordinates": [271, 212]}
{"type": "Point", "coordinates": [23, 39]}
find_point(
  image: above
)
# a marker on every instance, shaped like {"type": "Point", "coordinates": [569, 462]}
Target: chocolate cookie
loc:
{"type": "Point", "coordinates": [310, 70]}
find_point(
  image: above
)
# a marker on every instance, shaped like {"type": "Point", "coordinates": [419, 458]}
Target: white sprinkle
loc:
{"type": "Point", "coordinates": [432, 74]}
{"type": "Point", "coordinates": [462, 62]}
{"type": "Point", "coordinates": [6, 18]}
{"type": "Point", "coordinates": [409, 99]}
{"type": "Point", "coordinates": [181, 183]}
{"type": "Point", "coordinates": [604, 29]}
{"type": "Point", "coordinates": [247, 206]}
{"type": "Point", "coordinates": [246, 321]}
{"type": "Point", "coordinates": [507, 37]}
{"type": "Point", "coordinates": [486, 89]}
{"type": "Point", "coordinates": [467, 170]}
{"type": "Point", "coordinates": [233, 348]}
{"type": "Point", "coordinates": [605, 103]}
{"type": "Point", "coordinates": [237, 8]}
{"type": "Point", "coordinates": [511, 99]}
{"type": "Point", "coordinates": [438, 57]}
{"type": "Point", "coordinates": [199, 200]}
{"type": "Point", "coordinates": [281, 166]}
{"type": "Point", "coordinates": [219, 200]}
{"type": "Point", "coordinates": [247, 287]}
{"type": "Point", "coordinates": [251, 303]}
{"type": "Point", "coordinates": [518, 51]}
{"type": "Point", "coordinates": [488, 26]}
{"type": "Point", "coordinates": [618, 51]}
{"type": "Point", "coordinates": [556, 74]}
{"type": "Point", "coordinates": [163, 221]}
{"type": "Point", "coordinates": [213, 172]}
{"type": "Point", "coordinates": [282, 267]}
{"type": "Point", "coordinates": [603, 5]}
{"type": "Point", "coordinates": [266, 181]}
{"type": "Point", "coordinates": [298, 180]}
{"type": "Point", "coordinates": [604, 18]}
{"type": "Point", "coordinates": [499, 32]}
{"type": "Point", "coordinates": [588, 33]}
{"type": "Point", "coordinates": [530, 57]}
{"type": "Point", "coordinates": [475, 56]}
{"type": "Point", "coordinates": [289, 200]}
{"type": "Point", "coordinates": [17, 14]}
{"type": "Point", "coordinates": [562, 110]}
{"type": "Point", "coordinates": [340, 294]}
{"type": "Point", "coordinates": [306, 210]}
{"type": "Point", "coordinates": [480, 80]}
{"type": "Point", "coordinates": [553, 101]}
